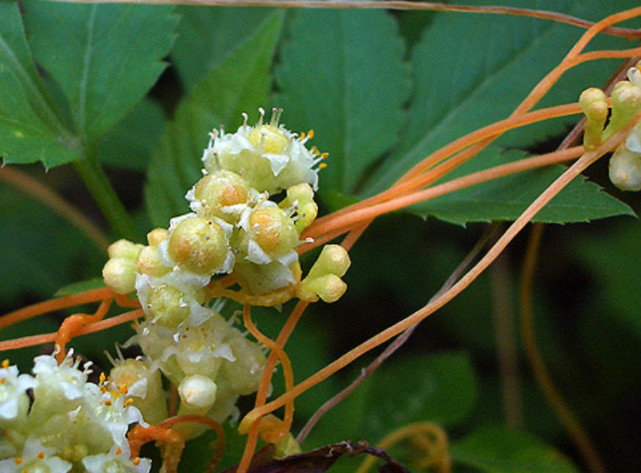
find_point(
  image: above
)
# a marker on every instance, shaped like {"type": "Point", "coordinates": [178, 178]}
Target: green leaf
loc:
{"type": "Point", "coordinates": [239, 84]}
{"type": "Point", "coordinates": [40, 251]}
{"type": "Point", "coordinates": [77, 287]}
{"type": "Point", "coordinates": [439, 388]}
{"type": "Point", "coordinates": [470, 71]}
{"type": "Point", "coordinates": [207, 36]}
{"type": "Point", "coordinates": [499, 450]}
{"type": "Point", "coordinates": [130, 143]}
{"type": "Point", "coordinates": [30, 130]}
{"type": "Point", "coordinates": [507, 197]}
{"type": "Point", "coordinates": [105, 58]}
{"type": "Point", "coordinates": [349, 84]}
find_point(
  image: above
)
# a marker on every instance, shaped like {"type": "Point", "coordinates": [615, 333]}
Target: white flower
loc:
{"type": "Point", "coordinates": [65, 378]}
{"type": "Point", "coordinates": [35, 458]}
{"type": "Point", "coordinates": [13, 389]}
{"type": "Point", "coordinates": [116, 461]}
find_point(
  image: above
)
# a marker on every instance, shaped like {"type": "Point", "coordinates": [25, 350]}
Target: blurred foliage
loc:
{"type": "Point", "coordinates": [83, 83]}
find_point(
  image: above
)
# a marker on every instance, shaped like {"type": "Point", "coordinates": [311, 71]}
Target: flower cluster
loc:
{"type": "Point", "coordinates": [71, 424]}
{"type": "Point", "coordinates": [625, 164]}
{"type": "Point", "coordinates": [248, 211]}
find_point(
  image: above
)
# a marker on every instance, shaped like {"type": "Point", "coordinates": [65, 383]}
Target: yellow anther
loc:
{"type": "Point", "coordinates": [310, 134]}
{"type": "Point", "coordinates": [18, 461]}
{"type": "Point", "coordinates": [123, 389]}
{"type": "Point", "coordinates": [302, 136]}
{"type": "Point", "coordinates": [5, 364]}
{"type": "Point", "coordinates": [118, 451]}
{"type": "Point", "coordinates": [324, 155]}
{"type": "Point", "coordinates": [128, 402]}
{"type": "Point", "coordinates": [103, 378]}
{"type": "Point", "coordinates": [3, 380]}
{"type": "Point", "coordinates": [322, 166]}
{"type": "Point", "coordinates": [41, 455]}
{"type": "Point", "coordinates": [136, 461]}
{"type": "Point", "coordinates": [108, 402]}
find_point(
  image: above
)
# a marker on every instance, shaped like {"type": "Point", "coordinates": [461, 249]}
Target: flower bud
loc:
{"type": "Point", "coordinates": [169, 306]}
{"type": "Point", "coordinates": [595, 107]}
{"type": "Point", "coordinates": [273, 230]}
{"type": "Point", "coordinates": [120, 275]}
{"type": "Point", "coordinates": [197, 391]}
{"type": "Point", "coordinates": [124, 249]}
{"type": "Point", "coordinates": [626, 102]}
{"type": "Point", "coordinates": [329, 288]}
{"type": "Point", "coordinates": [150, 263]}
{"type": "Point", "coordinates": [198, 245]}
{"type": "Point", "coordinates": [221, 194]}
{"type": "Point", "coordinates": [625, 170]}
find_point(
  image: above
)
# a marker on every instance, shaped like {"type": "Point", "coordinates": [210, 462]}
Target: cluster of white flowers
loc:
{"type": "Point", "coordinates": [71, 425]}
{"type": "Point", "coordinates": [234, 228]}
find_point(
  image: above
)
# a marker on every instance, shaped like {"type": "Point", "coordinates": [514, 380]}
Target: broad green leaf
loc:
{"type": "Point", "coordinates": [439, 388]}
{"type": "Point", "coordinates": [206, 36]}
{"type": "Point", "coordinates": [76, 287]}
{"type": "Point", "coordinates": [130, 143]}
{"type": "Point", "coordinates": [499, 450]}
{"type": "Point", "coordinates": [40, 251]}
{"type": "Point", "coordinates": [507, 197]}
{"type": "Point", "coordinates": [470, 71]}
{"type": "Point", "coordinates": [30, 130]}
{"type": "Point", "coordinates": [239, 84]}
{"type": "Point", "coordinates": [105, 58]}
{"type": "Point", "coordinates": [348, 83]}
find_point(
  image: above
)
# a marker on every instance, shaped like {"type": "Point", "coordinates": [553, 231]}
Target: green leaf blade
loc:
{"type": "Point", "coordinates": [207, 36]}
{"type": "Point", "coordinates": [499, 450]}
{"type": "Point", "coordinates": [507, 197]}
{"type": "Point", "coordinates": [112, 56]}
{"type": "Point", "coordinates": [340, 84]}
{"type": "Point", "coordinates": [239, 84]}
{"type": "Point", "coordinates": [30, 130]}
{"type": "Point", "coordinates": [470, 72]}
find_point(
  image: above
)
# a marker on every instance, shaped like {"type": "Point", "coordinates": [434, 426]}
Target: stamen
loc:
{"type": "Point", "coordinates": [136, 461]}
{"type": "Point", "coordinates": [276, 113]}
{"type": "Point", "coordinates": [245, 118]}
{"type": "Point", "coordinates": [128, 402]}
{"type": "Point", "coordinates": [18, 461]}
{"type": "Point", "coordinates": [103, 378]}
{"type": "Point", "coordinates": [123, 389]}
{"type": "Point", "coordinates": [118, 451]}
{"type": "Point", "coordinates": [261, 110]}
{"type": "Point", "coordinates": [322, 165]}
{"type": "Point", "coordinates": [5, 363]}
{"type": "Point", "coordinates": [41, 455]}
{"type": "Point", "coordinates": [310, 134]}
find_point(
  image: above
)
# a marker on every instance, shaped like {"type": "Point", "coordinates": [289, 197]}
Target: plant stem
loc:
{"type": "Point", "coordinates": [103, 193]}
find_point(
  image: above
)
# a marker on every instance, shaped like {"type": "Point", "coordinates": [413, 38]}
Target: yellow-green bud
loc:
{"type": "Point", "coordinates": [124, 249]}
{"type": "Point", "coordinates": [301, 197]}
{"type": "Point", "coordinates": [120, 275]}
{"type": "Point", "coordinates": [329, 288]}
{"type": "Point", "coordinates": [273, 230]}
{"type": "Point", "coordinates": [333, 259]}
{"type": "Point", "coordinates": [168, 306]}
{"type": "Point", "coordinates": [219, 191]}
{"type": "Point", "coordinates": [156, 236]}
{"type": "Point", "coordinates": [198, 245]}
{"type": "Point", "coordinates": [625, 170]}
{"type": "Point", "coordinates": [595, 107]}
{"type": "Point", "coordinates": [149, 262]}
{"type": "Point", "coordinates": [626, 102]}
